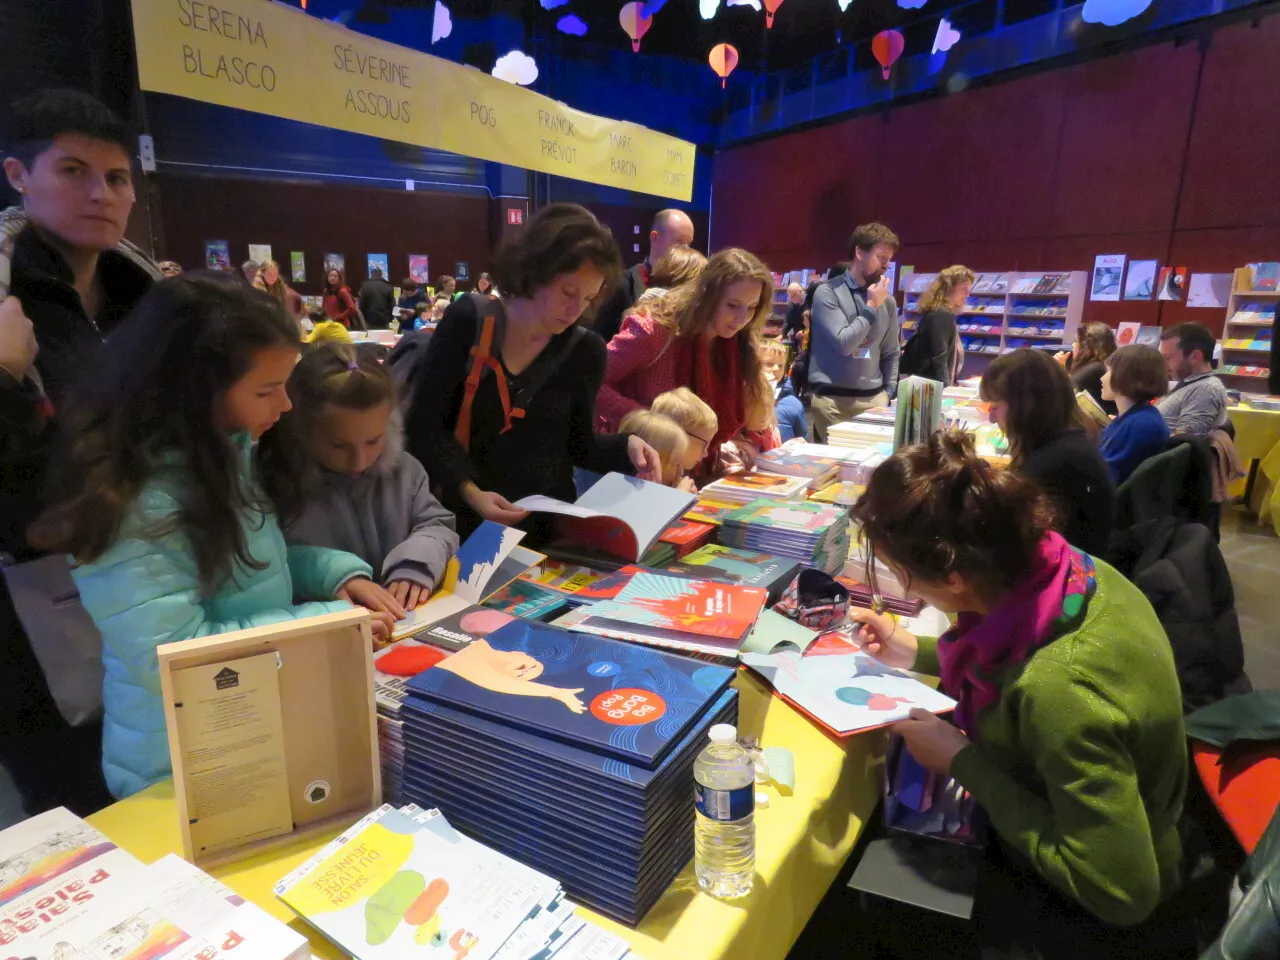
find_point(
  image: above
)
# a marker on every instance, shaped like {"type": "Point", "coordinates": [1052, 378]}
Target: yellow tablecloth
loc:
{"type": "Point", "coordinates": [801, 842]}
{"type": "Point", "coordinates": [1258, 438]}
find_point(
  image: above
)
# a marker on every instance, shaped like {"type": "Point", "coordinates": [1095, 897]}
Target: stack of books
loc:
{"type": "Point", "coordinates": [69, 892]}
{"type": "Point", "coordinates": [521, 598]}
{"type": "Point", "coordinates": [814, 534]}
{"type": "Point", "coordinates": [570, 753]}
{"type": "Point", "coordinates": [799, 461]}
{"type": "Point", "coordinates": [710, 510]}
{"type": "Point", "coordinates": [686, 536]}
{"type": "Point", "coordinates": [742, 488]}
{"type": "Point", "coordinates": [696, 616]}
{"type": "Point", "coordinates": [404, 882]}
{"type": "Point", "coordinates": [853, 434]}
{"type": "Point", "coordinates": [659, 554]}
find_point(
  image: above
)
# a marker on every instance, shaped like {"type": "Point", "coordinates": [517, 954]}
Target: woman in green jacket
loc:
{"type": "Point", "coordinates": [1069, 725]}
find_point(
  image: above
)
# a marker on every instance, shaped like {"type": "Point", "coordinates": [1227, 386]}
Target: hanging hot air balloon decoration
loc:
{"type": "Point", "coordinates": [771, 7]}
{"type": "Point", "coordinates": [635, 23]}
{"type": "Point", "coordinates": [887, 47]}
{"type": "Point", "coordinates": [723, 58]}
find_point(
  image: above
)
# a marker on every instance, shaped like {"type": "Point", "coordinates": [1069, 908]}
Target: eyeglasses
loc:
{"type": "Point", "coordinates": [706, 442]}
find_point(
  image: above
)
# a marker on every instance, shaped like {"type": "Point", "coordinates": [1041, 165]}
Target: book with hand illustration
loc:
{"type": "Point", "coordinates": [843, 689]}
{"type": "Point", "coordinates": [623, 699]}
{"type": "Point", "coordinates": [622, 516]}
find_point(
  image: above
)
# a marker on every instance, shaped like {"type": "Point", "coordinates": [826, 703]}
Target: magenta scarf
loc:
{"type": "Point", "coordinates": [1050, 600]}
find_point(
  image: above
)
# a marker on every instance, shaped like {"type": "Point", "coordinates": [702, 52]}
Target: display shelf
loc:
{"type": "Point", "coordinates": [1058, 326]}
{"type": "Point", "coordinates": [1253, 310]}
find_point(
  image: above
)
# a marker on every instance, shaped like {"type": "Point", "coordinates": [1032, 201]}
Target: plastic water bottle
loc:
{"type": "Point", "coordinates": [725, 838]}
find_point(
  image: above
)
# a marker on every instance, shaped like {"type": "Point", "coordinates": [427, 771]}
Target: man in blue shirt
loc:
{"type": "Point", "coordinates": [854, 341]}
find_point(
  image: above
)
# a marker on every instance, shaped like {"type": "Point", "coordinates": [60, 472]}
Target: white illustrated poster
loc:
{"type": "Point", "coordinates": [1108, 272]}
{"type": "Point", "coordinates": [1209, 290]}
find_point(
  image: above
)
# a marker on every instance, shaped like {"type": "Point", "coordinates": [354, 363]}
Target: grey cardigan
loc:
{"type": "Point", "coordinates": [386, 516]}
{"type": "Point", "coordinates": [852, 355]}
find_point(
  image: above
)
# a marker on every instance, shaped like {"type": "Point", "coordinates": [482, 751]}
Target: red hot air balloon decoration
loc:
{"type": "Point", "coordinates": [723, 58]}
{"type": "Point", "coordinates": [887, 46]}
{"type": "Point", "coordinates": [771, 7]}
{"type": "Point", "coordinates": [635, 23]}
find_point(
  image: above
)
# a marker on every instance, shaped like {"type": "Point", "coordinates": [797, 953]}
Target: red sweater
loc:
{"type": "Point", "coordinates": [645, 359]}
{"type": "Point", "coordinates": [339, 306]}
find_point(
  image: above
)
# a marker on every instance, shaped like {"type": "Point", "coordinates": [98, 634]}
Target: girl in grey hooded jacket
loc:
{"type": "Point", "coordinates": [339, 476]}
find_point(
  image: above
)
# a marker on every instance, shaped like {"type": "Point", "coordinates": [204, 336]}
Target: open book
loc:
{"type": "Point", "coordinates": [489, 560]}
{"type": "Point", "coordinates": [622, 516]}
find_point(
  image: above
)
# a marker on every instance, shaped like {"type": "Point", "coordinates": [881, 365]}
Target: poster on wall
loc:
{"type": "Point", "coordinates": [335, 261]}
{"type": "Point", "coordinates": [1141, 282]}
{"type": "Point", "coordinates": [891, 275]}
{"type": "Point", "coordinates": [217, 254]}
{"type": "Point", "coordinates": [1108, 271]}
{"type": "Point", "coordinates": [1172, 284]}
{"type": "Point", "coordinates": [259, 252]}
{"type": "Point", "coordinates": [420, 268]}
{"type": "Point", "coordinates": [1209, 290]}
{"type": "Point", "coordinates": [298, 266]}
{"type": "Point", "coordinates": [1127, 333]}
{"type": "Point", "coordinates": [378, 261]}
{"type": "Point", "coordinates": [462, 271]}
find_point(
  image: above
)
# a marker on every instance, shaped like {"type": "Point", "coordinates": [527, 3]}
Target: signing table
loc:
{"type": "Point", "coordinates": [801, 842]}
{"type": "Point", "coordinates": [1258, 438]}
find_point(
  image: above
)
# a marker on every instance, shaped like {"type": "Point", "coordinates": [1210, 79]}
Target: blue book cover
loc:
{"type": "Point", "coordinates": [625, 700]}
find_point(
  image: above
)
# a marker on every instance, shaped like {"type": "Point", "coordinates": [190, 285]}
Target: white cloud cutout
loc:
{"type": "Point", "coordinates": [441, 22]}
{"type": "Point", "coordinates": [1112, 13]}
{"type": "Point", "coordinates": [946, 37]}
{"type": "Point", "coordinates": [753, 4]}
{"type": "Point", "coordinates": [516, 67]}
{"type": "Point", "coordinates": [708, 8]}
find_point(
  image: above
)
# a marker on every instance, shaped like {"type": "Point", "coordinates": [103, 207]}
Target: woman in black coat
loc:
{"type": "Point", "coordinates": [931, 352]}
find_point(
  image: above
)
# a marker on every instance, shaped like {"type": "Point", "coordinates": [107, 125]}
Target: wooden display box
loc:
{"type": "Point", "coordinates": [272, 734]}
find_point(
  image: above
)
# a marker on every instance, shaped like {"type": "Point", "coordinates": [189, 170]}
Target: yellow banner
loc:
{"type": "Point", "coordinates": [268, 58]}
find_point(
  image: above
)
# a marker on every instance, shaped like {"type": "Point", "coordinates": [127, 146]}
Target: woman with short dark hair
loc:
{"type": "Point", "coordinates": [513, 418]}
{"type": "Point", "coordinates": [1068, 730]}
{"type": "Point", "coordinates": [1034, 404]}
{"type": "Point", "coordinates": [1134, 379]}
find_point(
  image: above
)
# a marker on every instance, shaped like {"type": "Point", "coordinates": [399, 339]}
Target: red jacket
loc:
{"type": "Point", "coordinates": [646, 359]}
{"type": "Point", "coordinates": [339, 306]}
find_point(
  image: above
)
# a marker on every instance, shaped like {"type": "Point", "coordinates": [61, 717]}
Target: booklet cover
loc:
{"type": "Point", "coordinates": [846, 692]}
{"type": "Point", "coordinates": [789, 462]}
{"type": "Point", "coordinates": [744, 487]}
{"type": "Point", "coordinates": [620, 698]}
{"type": "Point", "coordinates": [749, 567]}
{"type": "Point", "coordinates": [397, 886]}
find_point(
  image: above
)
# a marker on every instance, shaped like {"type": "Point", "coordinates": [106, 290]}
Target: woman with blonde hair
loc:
{"type": "Point", "coordinates": [703, 335]}
{"type": "Point", "coordinates": [933, 351]}
{"type": "Point", "coordinates": [270, 281]}
{"type": "Point", "coordinates": [675, 268]}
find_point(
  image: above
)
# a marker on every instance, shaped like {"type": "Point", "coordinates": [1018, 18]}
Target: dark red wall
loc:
{"type": "Point", "coordinates": [323, 218]}
{"type": "Point", "coordinates": [1168, 152]}
{"type": "Point", "coordinates": [355, 221]}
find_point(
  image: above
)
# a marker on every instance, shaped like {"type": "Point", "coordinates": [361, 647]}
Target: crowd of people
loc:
{"type": "Point", "coordinates": [176, 448]}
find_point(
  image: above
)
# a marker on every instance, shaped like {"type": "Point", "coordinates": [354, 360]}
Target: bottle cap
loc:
{"type": "Point", "coordinates": [724, 733]}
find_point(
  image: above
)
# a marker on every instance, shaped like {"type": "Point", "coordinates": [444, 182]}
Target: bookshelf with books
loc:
{"type": "Point", "coordinates": [780, 283]}
{"type": "Point", "coordinates": [1008, 311]}
{"type": "Point", "coordinates": [1250, 327]}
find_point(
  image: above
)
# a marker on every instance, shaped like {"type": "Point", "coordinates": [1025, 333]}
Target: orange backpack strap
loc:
{"type": "Point", "coordinates": [482, 356]}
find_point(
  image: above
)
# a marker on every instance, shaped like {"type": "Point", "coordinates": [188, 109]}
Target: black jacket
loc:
{"type": "Point", "coordinates": [1177, 483]}
{"type": "Point", "coordinates": [931, 353]}
{"type": "Point", "coordinates": [612, 312]}
{"type": "Point", "coordinates": [1180, 569]}
{"type": "Point", "coordinates": [1075, 476]}
{"type": "Point", "coordinates": [1089, 379]}
{"type": "Point", "coordinates": [377, 300]}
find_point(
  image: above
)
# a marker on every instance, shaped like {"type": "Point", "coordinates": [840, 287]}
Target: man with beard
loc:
{"type": "Point", "coordinates": [853, 338]}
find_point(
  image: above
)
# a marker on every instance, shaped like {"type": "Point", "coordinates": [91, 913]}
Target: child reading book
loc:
{"type": "Point", "coordinates": [339, 477]}
{"type": "Point", "coordinates": [786, 405]}
{"type": "Point", "coordinates": [152, 492]}
{"type": "Point", "coordinates": [696, 418]}
{"type": "Point", "coordinates": [665, 436]}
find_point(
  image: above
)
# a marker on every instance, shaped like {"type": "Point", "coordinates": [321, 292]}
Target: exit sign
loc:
{"type": "Point", "coordinates": [515, 216]}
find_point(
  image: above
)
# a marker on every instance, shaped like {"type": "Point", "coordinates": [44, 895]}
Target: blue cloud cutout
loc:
{"type": "Point", "coordinates": [1112, 13]}
{"type": "Point", "coordinates": [552, 4]}
{"type": "Point", "coordinates": [572, 25]}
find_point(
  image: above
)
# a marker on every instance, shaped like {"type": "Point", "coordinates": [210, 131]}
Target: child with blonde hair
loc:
{"type": "Point", "coordinates": [695, 417]}
{"type": "Point", "coordinates": [786, 405]}
{"type": "Point", "coordinates": [665, 436]}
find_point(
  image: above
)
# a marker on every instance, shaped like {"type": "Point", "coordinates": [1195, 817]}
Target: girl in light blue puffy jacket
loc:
{"type": "Point", "coordinates": [152, 494]}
